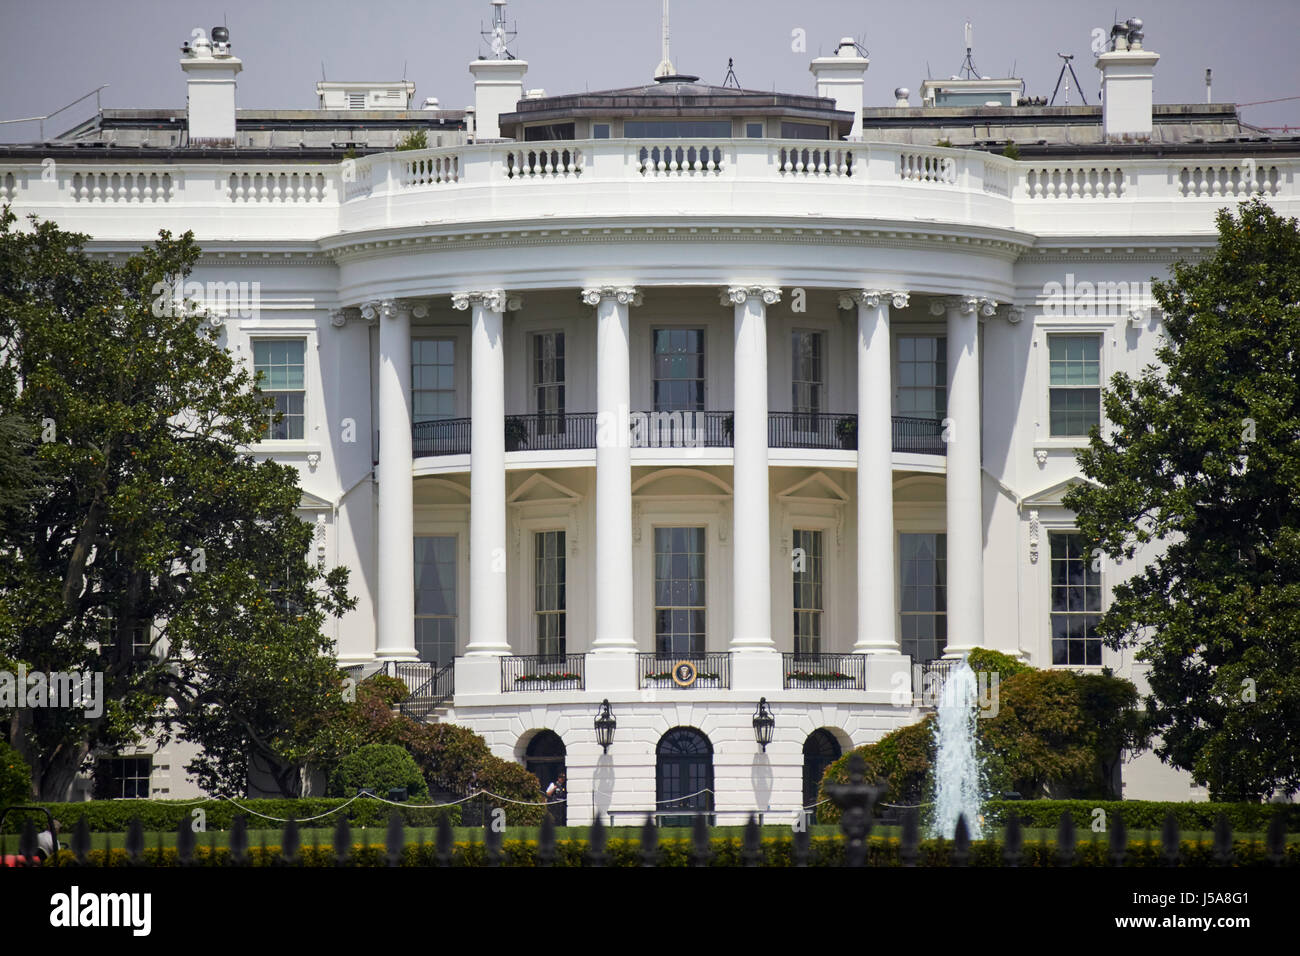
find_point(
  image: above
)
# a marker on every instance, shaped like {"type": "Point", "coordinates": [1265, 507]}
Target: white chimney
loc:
{"type": "Point", "coordinates": [840, 77]}
{"type": "Point", "coordinates": [498, 87]}
{"type": "Point", "coordinates": [210, 71]}
{"type": "Point", "coordinates": [1127, 73]}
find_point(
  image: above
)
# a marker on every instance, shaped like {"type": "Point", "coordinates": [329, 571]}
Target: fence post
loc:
{"type": "Point", "coordinates": [81, 842]}
{"type": "Point", "coordinates": [649, 842]}
{"type": "Point", "coordinates": [184, 842]}
{"type": "Point", "coordinates": [342, 842]}
{"type": "Point", "coordinates": [909, 845]}
{"type": "Point", "coordinates": [396, 838]}
{"type": "Point", "coordinates": [959, 855]}
{"type": "Point", "coordinates": [1013, 841]}
{"type": "Point", "coordinates": [291, 841]}
{"type": "Point", "coordinates": [802, 846]}
{"type": "Point", "coordinates": [546, 842]}
{"type": "Point", "coordinates": [1169, 840]}
{"type": "Point", "coordinates": [135, 841]}
{"type": "Point", "coordinates": [1118, 841]}
{"type": "Point", "coordinates": [239, 839]}
{"type": "Point", "coordinates": [855, 800]}
{"type": "Point", "coordinates": [1223, 840]}
{"type": "Point", "coordinates": [752, 846]}
{"type": "Point", "coordinates": [596, 854]}
{"type": "Point", "coordinates": [1065, 839]}
{"type": "Point", "coordinates": [445, 841]}
{"type": "Point", "coordinates": [701, 850]}
{"type": "Point", "coordinates": [1275, 841]}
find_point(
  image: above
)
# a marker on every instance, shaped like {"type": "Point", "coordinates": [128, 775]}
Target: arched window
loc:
{"type": "Point", "coordinates": [544, 758]}
{"type": "Point", "coordinates": [684, 775]}
{"type": "Point", "coordinates": [820, 750]}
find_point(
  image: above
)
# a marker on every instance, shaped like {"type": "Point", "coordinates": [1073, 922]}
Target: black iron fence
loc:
{"type": "Point", "coordinates": [447, 436]}
{"type": "Point", "coordinates": [854, 847]}
{"type": "Point", "coordinates": [824, 671]}
{"type": "Point", "coordinates": [928, 678]}
{"type": "Point", "coordinates": [543, 672]}
{"type": "Point", "coordinates": [684, 671]}
{"type": "Point", "coordinates": [547, 431]}
{"type": "Point", "coordinates": [681, 429]}
{"type": "Point", "coordinates": [812, 430]}
{"type": "Point", "coordinates": [922, 436]}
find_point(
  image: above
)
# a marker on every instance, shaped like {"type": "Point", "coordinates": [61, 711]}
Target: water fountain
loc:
{"type": "Point", "coordinates": [957, 766]}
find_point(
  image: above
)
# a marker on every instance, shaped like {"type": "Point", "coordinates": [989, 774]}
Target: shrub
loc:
{"type": "Point", "coordinates": [15, 777]}
{"type": "Point", "coordinates": [1143, 814]}
{"type": "Point", "coordinates": [983, 660]}
{"type": "Point", "coordinates": [1011, 150]}
{"type": "Point", "coordinates": [378, 767]}
{"type": "Point", "coordinates": [902, 759]}
{"type": "Point", "coordinates": [415, 139]}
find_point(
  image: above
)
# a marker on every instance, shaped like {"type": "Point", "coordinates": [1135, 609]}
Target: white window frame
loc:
{"type": "Point", "coordinates": [311, 386]}
{"type": "Point", "coordinates": [1104, 327]}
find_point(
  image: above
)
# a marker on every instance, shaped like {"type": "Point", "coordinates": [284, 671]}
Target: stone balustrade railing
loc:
{"type": "Point", "coordinates": [644, 177]}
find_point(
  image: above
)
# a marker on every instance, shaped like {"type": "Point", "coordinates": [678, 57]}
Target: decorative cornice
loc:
{"type": "Point", "coordinates": [494, 300]}
{"type": "Point", "coordinates": [739, 294]}
{"type": "Point", "coordinates": [622, 294]}
{"type": "Point", "coordinates": [964, 304]}
{"type": "Point", "coordinates": [871, 298]}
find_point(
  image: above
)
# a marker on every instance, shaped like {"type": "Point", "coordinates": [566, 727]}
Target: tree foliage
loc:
{"type": "Point", "coordinates": [1200, 463]}
{"type": "Point", "coordinates": [150, 524]}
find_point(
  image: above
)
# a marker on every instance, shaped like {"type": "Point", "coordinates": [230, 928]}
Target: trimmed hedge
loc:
{"type": "Point", "coordinates": [113, 816]}
{"type": "Point", "coordinates": [1144, 814]}
{"type": "Point", "coordinates": [378, 767]}
{"type": "Point", "coordinates": [881, 851]}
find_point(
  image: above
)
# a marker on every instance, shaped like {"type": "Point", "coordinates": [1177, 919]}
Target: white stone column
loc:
{"type": "Point", "coordinates": [964, 482]}
{"type": "Point", "coordinates": [877, 607]}
{"type": "Point", "coordinates": [614, 581]}
{"type": "Point", "coordinates": [395, 640]}
{"type": "Point", "coordinates": [487, 472]}
{"type": "Point", "coordinates": [751, 579]}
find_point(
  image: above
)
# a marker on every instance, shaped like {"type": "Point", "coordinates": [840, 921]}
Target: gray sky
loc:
{"type": "Point", "coordinates": [52, 51]}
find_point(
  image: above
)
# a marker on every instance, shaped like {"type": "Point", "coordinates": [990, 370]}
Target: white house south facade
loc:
{"type": "Point", "coordinates": [602, 384]}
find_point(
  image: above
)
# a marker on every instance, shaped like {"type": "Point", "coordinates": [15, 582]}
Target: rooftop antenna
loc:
{"type": "Point", "coordinates": [499, 36]}
{"type": "Point", "coordinates": [665, 67]}
{"type": "Point", "coordinates": [1065, 65]}
{"type": "Point", "coordinates": [731, 75]}
{"type": "Point", "coordinates": [322, 70]}
{"type": "Point", "coordinates": [968, 70]}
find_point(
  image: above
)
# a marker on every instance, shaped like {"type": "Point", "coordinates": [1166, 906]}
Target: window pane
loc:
{"type": "Point", "coordinates": [1075, 602]}
{"type": "Point", "coordinates": [679, 591]}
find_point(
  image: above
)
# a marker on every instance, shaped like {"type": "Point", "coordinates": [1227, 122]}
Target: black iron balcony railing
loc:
{"type": "Point", "coordinates": [446, 436]}
{"type": "Point", "coordinates": [824, 671]}
{"type": "Point", "coordinates": [546, 431]}
{"type": "Point", "coordinates": [542, 672]}
{"type": "Point", "coordinates": [681, 429]}
{"type": "Point", "coordinates": [711, 671]}
{"type": "Point", "coordinates": [928, 678]}
{"type": "Point", "coordinates": [576, 430]}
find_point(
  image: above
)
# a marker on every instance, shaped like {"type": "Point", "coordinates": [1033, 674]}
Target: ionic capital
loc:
{"type": "Point", "coordinates": [493, 300]}
{"type": "Point", "coordinates": [622, 294]}
{"type": "Point", "coordinates": [964, 305]}
{"type": "Point", "coordinates": [872, 298]}
{"type": "Point", "coordinates": [739, 294]}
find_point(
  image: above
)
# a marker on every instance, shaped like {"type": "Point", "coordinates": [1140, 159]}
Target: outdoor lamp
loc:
{"type": "Point", "coordinates": [605, 724]}
{"type": "Point", "coordinates": [764, 723]}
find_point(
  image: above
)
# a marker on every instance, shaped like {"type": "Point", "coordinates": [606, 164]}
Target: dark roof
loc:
{"type": "Point", "coordinates": [678, 95]}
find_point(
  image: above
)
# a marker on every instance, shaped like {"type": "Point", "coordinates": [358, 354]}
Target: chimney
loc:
{"type": "Point", "coordinates": [840, 77]}
{"type": "Point", "coordinates": [498, 87]}
{"type": "Point", "coordinates": [210, 70]}
{"type": "Point", "coordinates": [1127, 71]}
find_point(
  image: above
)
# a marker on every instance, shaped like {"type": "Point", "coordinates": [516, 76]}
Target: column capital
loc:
{"type": "Point", "coordinates": [494, 300]}
{"type": "Point", "coordinates": [872, 298]}
{"type": "Point", "coordinates": [1015, 313]}
{"type": "Point", "coordinates": [739, 294]}
{"type": "Point", "coordinates": [964, 304]}
{"type": "Point", "coordinates": [622, 294]}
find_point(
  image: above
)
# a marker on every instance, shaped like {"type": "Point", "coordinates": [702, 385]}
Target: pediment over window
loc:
{"type": "Point", "coordinates": [538, 488]}
{"type": "Point", "coordinates": [815, 487]}
{"type": "Point", "coordinates": [1052, 494]}
{"type": "Point", "coordinates": [680, 483]}
{"type": "Point", "coordinates": [310, 502]}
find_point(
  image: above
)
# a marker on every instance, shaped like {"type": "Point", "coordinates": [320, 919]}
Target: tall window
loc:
{"type": "Point", "coordinates": [118, 778]}
{"type": "Point", "coordinates": [922, 376]}
{"type": "Point", "coordinates": [435, 598]}
{"type": "Point", "coordinates": [279, 362]}
{"type": "Point", "coordinates": [548, 381]}
{"type": "Point", "coordinates": [807, 377]}
{"type": "Point", "coordinates": [433, 379]}
{"type": "Point", "coordinates": [679, 591]}
{"type": "Point", "coordinates": [1076, 603]}
{"type": "Point", "coordinates": [923, 608]}
{"type": "Point", "coordinates": [548, 585]}
{"type": "Point", "coordinates": [808, 599]}
{"type": "Point", "coordinates": [1074, 383]}
{"type": "Point", "coordinates": [679, 370]}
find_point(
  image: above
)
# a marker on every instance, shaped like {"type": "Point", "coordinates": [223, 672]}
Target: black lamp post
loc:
{"type": "Point", "coordinates": [764, 723]}
{"type": "Point", "coordinates": [605, 724]}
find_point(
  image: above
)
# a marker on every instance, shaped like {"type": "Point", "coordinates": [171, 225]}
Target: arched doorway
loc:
{"type": "Point", "coordinates": [683, 775]}
{"type": "Point", "coordinates": [820, 750]}
{"type": "Point", "coordinates": [544, 758]}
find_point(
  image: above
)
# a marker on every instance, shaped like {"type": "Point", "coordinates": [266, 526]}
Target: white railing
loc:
{"type": "Point", "coordinates": [716, 177]}
{"type": "Point", "coordinates": [279, 186]}
{"type": "Point", "coordinates": [683, 158]}
{"type": "Point", "coordinates": [1239, 180]}
{"type": "Point", "coordinates": [825, 161]}
{"type": "Point", "coordinates": [1074, 182]}
{"type": "Point", "coordinates": [934, 168]}
{"type": "Point", "coordinates": [122, 186]}
{"type": "Point", "coordinates": [435, 170]}
{"type": "Point", "coordinates": [532, 162]}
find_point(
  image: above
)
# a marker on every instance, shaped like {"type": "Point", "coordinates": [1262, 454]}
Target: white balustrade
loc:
{"type": "Point", "coordinates": [1074, 182]}
{"type": "Point", "coordinates": [933, 168]}
{"type": "Point", "coordinates": [824, 161]}
{"type": "Point", "coordinates": [278, 186]}
{"type": "Point", "coordinates": [435, 170]}
{"type": "Point", "coordinates": [530, 163]}
{"type": "Point", "coordinates": [124, 186]}
{"type": "Point", "coordinates": [681, 159]}
{"type": "Point", "coordinates": [1240, 180]}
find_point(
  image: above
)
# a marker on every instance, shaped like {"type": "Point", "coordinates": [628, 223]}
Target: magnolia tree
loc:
{"type": "Point", "coordinates": [1201, 459]}
{"type": "Point", "coordinates": [141, 543]}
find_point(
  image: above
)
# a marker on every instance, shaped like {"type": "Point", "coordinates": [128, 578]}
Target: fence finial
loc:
{"type": "Point", "coordinates": [1169, 839]}
{"type": "Point", "coordinates": [395, 840]}
{"type": "Point", "coordinates": [649, 842]}
{"type": "Point", "coordinates": [596, 854]}
{"type": "Point", "coordinates": [701, 851]}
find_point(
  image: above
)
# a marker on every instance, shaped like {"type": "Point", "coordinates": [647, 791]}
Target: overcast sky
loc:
{"type": "Point", "coordinates": [52, 51]}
